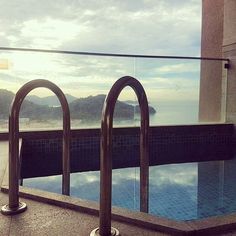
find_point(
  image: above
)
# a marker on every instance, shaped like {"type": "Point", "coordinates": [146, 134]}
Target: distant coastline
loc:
{"type": "Point", "coordinates": [87, 109]}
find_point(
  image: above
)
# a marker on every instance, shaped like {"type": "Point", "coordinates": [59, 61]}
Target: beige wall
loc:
{"type": "Point", "coordinates": [218, 95]}
{"type": "Point", "coordinates": [210, 102]}
{"type": "Point", "coordinates": [229, 51]}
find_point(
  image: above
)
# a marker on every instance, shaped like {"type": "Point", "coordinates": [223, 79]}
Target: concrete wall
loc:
{"type": "Point", "coordinates": [229, 51]}
{"type": "Point", "coordinates": [210, 104]}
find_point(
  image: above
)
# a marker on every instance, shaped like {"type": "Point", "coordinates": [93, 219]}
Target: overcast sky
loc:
{"type": "Point", "coordinates": [156, 27]}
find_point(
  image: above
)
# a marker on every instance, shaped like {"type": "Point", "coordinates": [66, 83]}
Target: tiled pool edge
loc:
{"type": "Point", "coordinates": [209, 226]}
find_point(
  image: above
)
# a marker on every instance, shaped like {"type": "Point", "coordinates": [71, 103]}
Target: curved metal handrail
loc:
{"type": "Point", "coordinates": [105, 228]}
{"type": "Point", "coordinates": [14, 205]}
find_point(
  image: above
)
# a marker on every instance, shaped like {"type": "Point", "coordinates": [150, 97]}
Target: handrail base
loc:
{"type": "Point", "coordinates": [114, 232]}
{"type": "Point", "coordinates": [6, 210]}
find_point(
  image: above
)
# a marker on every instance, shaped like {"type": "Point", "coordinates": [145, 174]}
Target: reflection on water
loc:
{"type": "Point", "coordinates": [171, 188]}
{"type": "Point", "coordinates": [178, 191]}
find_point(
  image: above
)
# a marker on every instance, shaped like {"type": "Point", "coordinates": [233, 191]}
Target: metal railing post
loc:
{"type": "Point", "coordinates": [105, 228]}
{"type": "Point", "coordinates": [14, 206]}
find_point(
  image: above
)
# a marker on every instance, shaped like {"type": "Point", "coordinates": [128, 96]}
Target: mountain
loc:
{"type": "Point", "coordinates": [152, 111]}
{"type": "Point", "coordinates": [28, 109]}
{"type": "Point", "coordinates": [50, 100]}
{"type": "Point", "coordinates": [5, 102]}
{"type": "Point", "coordinates": [92, 107]}
{"type": "Point", "coordinates": [85, 109]}
{"type": "Point", "coordinates": [132, 102]}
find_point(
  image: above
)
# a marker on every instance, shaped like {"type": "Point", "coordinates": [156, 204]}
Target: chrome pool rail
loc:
{"type": "Point", "coordinates": [14, 206]}
{"type": "Point", "coordinates": [105, 228]}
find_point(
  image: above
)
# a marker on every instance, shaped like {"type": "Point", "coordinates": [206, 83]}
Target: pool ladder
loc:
{"type": "Point", "coordinates": [105, 228]}
{"type": "Point", "coordinates": [14, 206]}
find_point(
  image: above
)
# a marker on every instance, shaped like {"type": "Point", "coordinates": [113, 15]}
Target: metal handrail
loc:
{"type": "Point", "coordinates": [105, 228]}
{"type": "Point", "coordinates": [14, 206]}
{"type": "Point", "coordinates": [110, 54]}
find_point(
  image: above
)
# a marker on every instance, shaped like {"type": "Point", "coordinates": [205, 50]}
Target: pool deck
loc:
{"type": "Point", "coordinates": [46, 219]}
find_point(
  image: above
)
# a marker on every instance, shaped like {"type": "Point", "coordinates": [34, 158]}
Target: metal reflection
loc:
{"type": "Point", "coordinates": [105, 228]}
{"type": "Point", "coordinates": [14, 206]}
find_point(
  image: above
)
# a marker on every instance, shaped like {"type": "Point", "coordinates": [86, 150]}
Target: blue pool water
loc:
{"type": "Point", "coordinates": [177, 191]}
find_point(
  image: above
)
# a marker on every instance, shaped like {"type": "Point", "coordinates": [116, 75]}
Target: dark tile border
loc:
{"type": "Point", "coordinates": [168, 145]}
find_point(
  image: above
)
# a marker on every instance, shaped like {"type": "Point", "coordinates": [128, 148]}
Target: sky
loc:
{"type": "Point", "coordinates": [150, 27]}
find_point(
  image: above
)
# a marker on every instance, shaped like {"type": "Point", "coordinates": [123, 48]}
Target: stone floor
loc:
{"type": "Point", "coordinates": [42, 219]}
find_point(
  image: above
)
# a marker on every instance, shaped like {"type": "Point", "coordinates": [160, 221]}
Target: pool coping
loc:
{"type": "Point", "coordinates": [210, 226]}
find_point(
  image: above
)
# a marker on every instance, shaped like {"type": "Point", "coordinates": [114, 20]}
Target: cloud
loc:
{"type": "Point", "coordinates": [144, 26]}
{"type": "Point", "coordinates": [82, 76]}
{"type": "Point", "coordinates": [11, 78]}
{"type": "Point", "coordinates": [165, 27]}
{"type": "Point", "coordinates": [55, 32]}
{"type": "Point", "coordinates": [179, 68]}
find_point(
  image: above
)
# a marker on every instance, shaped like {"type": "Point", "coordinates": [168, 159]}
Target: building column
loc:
{"type": "Point", "coordinates": [210, 97]}
{"type": "Point", "coordinates": [229, 51]}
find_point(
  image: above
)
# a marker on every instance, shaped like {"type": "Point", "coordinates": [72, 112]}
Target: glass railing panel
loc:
{"type": "Point", "coordinates": [174, 88]}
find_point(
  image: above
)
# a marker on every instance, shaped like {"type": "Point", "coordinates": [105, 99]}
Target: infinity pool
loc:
{"type": "Point", "coordinates": [177, 191]}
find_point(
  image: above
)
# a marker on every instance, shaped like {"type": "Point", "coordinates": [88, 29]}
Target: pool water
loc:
{"type": "Point", "coordinates": [177, 191]}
